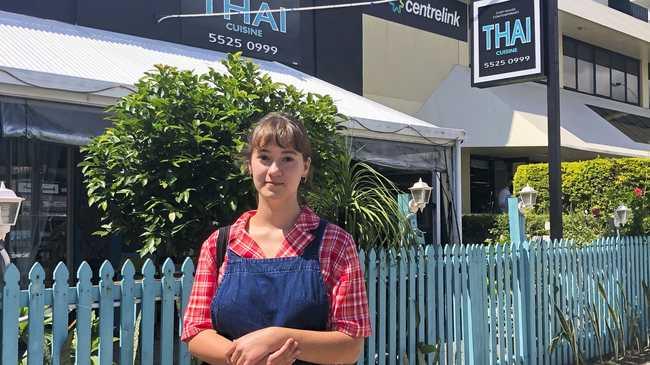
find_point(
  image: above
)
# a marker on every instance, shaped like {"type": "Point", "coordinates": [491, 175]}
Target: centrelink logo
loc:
{"type": "Point", "coordinates": [427, 11]}
{"type": "Point", "coordinates": [397, 6]}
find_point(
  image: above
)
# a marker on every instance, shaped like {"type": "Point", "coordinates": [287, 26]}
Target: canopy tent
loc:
{"type": "Point", "coordinates": [50, 60]}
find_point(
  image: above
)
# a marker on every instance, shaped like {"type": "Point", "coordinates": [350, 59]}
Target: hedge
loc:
{"type": "Point", "coordinates": [595, 187]}
{"type": "Point", "coordinates": [493, 228]}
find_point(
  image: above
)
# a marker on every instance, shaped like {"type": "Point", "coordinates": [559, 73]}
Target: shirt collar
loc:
{"type": "Point", "coordinates": [295, 242]}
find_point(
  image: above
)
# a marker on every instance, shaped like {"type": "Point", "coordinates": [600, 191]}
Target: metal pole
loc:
{"type": "Point", "coordinates": [553, 102]}
{"type": "Point", "coordinates": [458, 194]}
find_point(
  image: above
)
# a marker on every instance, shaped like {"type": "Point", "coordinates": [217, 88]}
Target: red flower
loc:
{"type": "Point", "coordinates": [638, 192]}
{"type": "Point", "coordinates": [595, 211]}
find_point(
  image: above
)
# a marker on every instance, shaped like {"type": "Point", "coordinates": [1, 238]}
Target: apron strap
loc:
{"type": "Point", "coordinates": [312, 251]}
{"type": "Point", "coordinates": [222, 246]}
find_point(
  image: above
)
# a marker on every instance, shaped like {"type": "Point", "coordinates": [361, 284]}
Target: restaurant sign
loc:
{"type": "Point", "coordinates": [507, 42]}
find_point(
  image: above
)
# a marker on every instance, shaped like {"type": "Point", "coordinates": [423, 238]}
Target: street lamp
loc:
{"type": "Point", "coordinates": [620, 215]}
{"type": "Point", "coordinates": [420, 195]}
{"type": "Point", "coordinates": [516, 209]}
{"type": "Point", "coordinates": [528, 197]}
{"type": "Point", "coordinates": [9, 207]}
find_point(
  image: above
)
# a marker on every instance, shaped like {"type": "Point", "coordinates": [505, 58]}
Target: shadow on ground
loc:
{"type": "Point", "coordinates": [631, 359]}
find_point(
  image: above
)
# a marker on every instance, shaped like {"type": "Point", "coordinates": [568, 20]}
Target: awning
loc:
{"type": "Point", "coordinates": [516, 116]}
{"type": "Point", "coordinates": [59, 57]}
{"type": "Point", "coordinates": [51, 122]}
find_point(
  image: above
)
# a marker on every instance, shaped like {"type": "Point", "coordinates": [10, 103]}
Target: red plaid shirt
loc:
{"type": "Point", "coordinates": [348, 304]}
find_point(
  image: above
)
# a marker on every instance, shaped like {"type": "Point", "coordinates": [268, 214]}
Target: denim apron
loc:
{"type": "Point", "coordinates": [283, 292]}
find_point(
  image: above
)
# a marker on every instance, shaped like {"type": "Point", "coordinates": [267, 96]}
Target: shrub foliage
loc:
{"type": "Point", "coordinates": [596, 187]}
{"type": "Point", "coordinates": [169, 170]}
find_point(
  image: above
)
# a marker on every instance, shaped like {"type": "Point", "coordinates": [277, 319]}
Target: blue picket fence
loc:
{"type": "Point", "coordinates": [476, 304]}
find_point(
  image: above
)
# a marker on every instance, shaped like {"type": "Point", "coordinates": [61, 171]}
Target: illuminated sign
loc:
{"type": "Point", "coordinates": [506, 42]}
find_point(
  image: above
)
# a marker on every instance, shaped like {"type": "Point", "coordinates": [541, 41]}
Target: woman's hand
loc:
{"type": "Point", "coordinates": [254, 347]}
{"type": "Point", "coordinates": [286, 355]}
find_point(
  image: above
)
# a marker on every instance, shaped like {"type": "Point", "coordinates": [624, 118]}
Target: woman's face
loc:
{"type": "Point", "coordinates": [277, 171]}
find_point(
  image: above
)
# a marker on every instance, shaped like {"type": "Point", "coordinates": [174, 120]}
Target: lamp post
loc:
{"type": "Point", "coordinates": [420, 195]}
{"type": "Point", "coordinates": [417, 201]}
{"type": "Point", "coordinates": [516, 209]}
{"type": "Point", "coordinates": [9, 208]}
{"type": "Point", "coordinates": [621, 215]}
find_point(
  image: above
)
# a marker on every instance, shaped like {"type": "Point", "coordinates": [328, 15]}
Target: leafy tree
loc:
{"type": "Point", "coordinates": [170, 171]}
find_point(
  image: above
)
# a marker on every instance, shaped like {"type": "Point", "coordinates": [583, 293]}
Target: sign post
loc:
{"type": "Point", "coordinates": [553, 105]}
{"type": "Point", "coordinates": [516, 41]}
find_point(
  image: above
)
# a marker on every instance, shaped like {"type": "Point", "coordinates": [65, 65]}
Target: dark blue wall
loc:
{"type": "Point", "coordinates": [329, 44]}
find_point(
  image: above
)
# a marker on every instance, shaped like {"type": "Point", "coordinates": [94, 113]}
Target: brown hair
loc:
{"type": "Point", "coordinates": [280, 129]}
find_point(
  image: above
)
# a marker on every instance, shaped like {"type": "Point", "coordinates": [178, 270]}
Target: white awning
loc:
{"type": "Point", "coordinates": [516, 116]}
{"type": "Point", "coordinates": [52, 56]}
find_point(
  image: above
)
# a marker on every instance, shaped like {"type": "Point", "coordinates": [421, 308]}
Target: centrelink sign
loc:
{"type": "Point", "coordinates": [445, 17]}
{"type": "Point", "coordinates": [507, 42]}
{"type": "Point", "coordinates": [255, 27]}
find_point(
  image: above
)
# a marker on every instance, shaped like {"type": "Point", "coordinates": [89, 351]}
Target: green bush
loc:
{"type": "Point", "coordinates": [596, 187]}
{"type": "Point", "coordinates": [500, 231]}
{"type": "Point", "coordinates": [577, 226]}
{"type": "Point", "coordinates": [169, 170]}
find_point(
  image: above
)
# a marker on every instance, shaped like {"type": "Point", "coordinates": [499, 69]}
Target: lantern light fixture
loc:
{"type": "Point", "coordinates": [420, 195]}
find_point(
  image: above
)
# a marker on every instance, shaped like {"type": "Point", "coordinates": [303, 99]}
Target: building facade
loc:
{"type": "Point", "coordinates": [62, 64]}
{"type": "Point", "coordinates": [605, 50]}
{"type": "Point", "coordinates": [412, 56]}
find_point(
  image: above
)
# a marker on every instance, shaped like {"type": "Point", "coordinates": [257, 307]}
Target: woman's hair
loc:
{"type": "Point", "coordinates": [282, 130]}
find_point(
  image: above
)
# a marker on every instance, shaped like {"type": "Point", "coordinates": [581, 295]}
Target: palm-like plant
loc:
{"type": "Point", "coordinates": [364, 202]}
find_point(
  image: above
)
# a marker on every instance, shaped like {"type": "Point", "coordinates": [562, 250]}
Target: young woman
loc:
{"type": "Point", "coordinates": [290, 287]}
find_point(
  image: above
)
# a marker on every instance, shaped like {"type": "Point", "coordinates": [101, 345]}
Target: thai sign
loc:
{"type": "Point", "coordinates": [264, 29]}
{"type": "Point", "coordinates": [507, 42]}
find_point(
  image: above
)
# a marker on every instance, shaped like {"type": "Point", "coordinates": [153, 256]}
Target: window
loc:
{"type": "Point", "coordinates": [569, 63]}
{"type": "Point", "coordinates": [597, 71]}
{"type": "Point", "coordinates": [618, 78]}
{"type": "Point", "coordinates": [603, 75]}
{"type": "Point", "coordinates": [585, 69]}
{"type": "Point", "coordinates": [632, 81]}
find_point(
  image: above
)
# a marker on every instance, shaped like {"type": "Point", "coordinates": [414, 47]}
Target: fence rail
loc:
{"type": "Point", "coordinates": [476, 304]}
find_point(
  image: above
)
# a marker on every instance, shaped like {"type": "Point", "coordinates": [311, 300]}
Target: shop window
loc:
{"type": "Point", "coordinates": [597, 71]}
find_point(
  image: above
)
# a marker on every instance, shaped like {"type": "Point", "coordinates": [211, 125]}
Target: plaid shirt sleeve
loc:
{"type": "Point", "coordinates": [197, 314]}
{"type": "Point", "coordinates": [342, 273]}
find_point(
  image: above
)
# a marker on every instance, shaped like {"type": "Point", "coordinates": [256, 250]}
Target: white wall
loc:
{"type": "Point", "coordinates": [402, 66]}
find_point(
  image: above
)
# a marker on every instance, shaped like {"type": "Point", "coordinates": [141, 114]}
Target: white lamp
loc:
{"type": "Point", "coordinates": [621, 215]}
{"type": "Point", "coordinates": [528, 197]}
{"type": "Point", "coordinates": [420, 194]}
{"type": "Point", "coordinates": [9, 208]}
